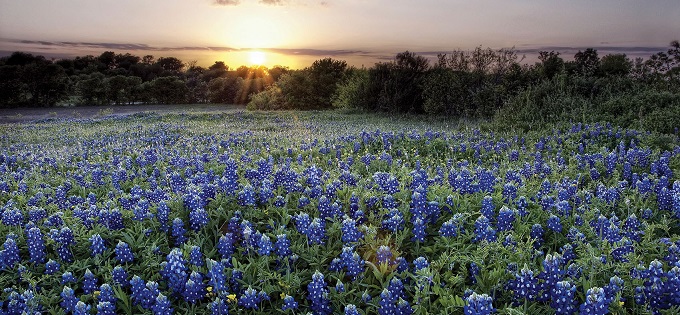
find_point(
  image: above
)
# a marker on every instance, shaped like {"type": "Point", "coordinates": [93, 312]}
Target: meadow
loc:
{"type": "Point", "coordinates": [332, 213]}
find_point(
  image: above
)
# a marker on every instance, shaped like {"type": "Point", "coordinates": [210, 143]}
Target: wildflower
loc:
{"type": "Point", "coordinates": [36, 245]}
{"type": "Point", "coordinates": [178, 231]}
{"type": "Point", "coordinates": [595, 303]}
{"type": "Point", "coordinates": [289, 303]}
{"type": "Point", "coordinates": [195, 256]}
{"type": "Point", "coordinates": [162, 306]}
{"type": "Point", "coordinates": [249, 299]}
{"type": "Point", "coordinates": [478, 304]}
{"type": "Point", "coordinates": [563, 298]}
{"type": "Point", "coordinates": [420, 263]}
{"type": "Point", "coordinates": [89, 282]}
{"type": "Point", "coordinates": [97, 246]}
{"type": "Point", "coordinates": [51, 267]}
{"type": "Point", "coordinates": [264, 245]}
{"type": "Point", "coordinates": [282, 246]}
{"type": "Point", "coordinates": [176, 271]}
{"type": "Point", "coordinates": [350, 233]}
{"type": "Point", "coordinates": [123, 253]}
{"type": "Point", "coordinates": [318, 294]}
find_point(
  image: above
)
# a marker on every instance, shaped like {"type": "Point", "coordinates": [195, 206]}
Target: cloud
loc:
{"type": "Point", "coordinates": [115, 46]}
{"type": "Point", "coordinates": [274, 2]}
{"type": "Point", "coordinates": [226, 2]}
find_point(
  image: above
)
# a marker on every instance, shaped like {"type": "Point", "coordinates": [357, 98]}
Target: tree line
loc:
{"type": "Point", "coordinates": [482, 83]}
{"type": "Point", "coordinates": [117, 79]}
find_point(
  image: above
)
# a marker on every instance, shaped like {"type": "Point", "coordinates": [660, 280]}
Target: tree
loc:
{"type": "Point", "coordinates": [168, 90]}
{"type": "Point", "coordinates": [615, 65]}
{"type": "Point", "coordinates": [551, 63]}
{"type": "Point", "coordinates": [586, 62]}
{"type": "Point", "coordinates": [224, 89]}
{"type": "Point", "coordinates": [170, 64]}
{"type": "Point", "coordinates": [91, 89]}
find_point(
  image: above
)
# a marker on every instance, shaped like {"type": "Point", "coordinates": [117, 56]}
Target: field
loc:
{"type": "Point", "coordinates": [331, 213]}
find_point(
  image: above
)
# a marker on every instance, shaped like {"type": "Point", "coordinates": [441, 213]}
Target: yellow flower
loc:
{"type": "Point", "coordinates": [282, 295]}
{"type": "Point", "coordinates": [231, 298]}
{"type": "Point", "coordinates": [96, 293]}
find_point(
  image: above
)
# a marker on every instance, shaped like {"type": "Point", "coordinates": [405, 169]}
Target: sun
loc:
{"type": "Point", "coordinates": [256, 57]}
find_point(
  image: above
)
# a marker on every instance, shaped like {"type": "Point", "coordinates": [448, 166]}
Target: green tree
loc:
{"type": "Point", "coordinates": [615, 65]}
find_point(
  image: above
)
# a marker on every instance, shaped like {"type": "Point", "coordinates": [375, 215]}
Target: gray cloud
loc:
{"type": "Point", "coordinates": [44, 45]}
{"type": "Point", "coordinates": [226, 2]}
{"type": "Point", "coordinates": [273, 2]}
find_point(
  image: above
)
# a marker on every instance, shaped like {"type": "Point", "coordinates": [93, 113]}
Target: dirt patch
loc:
{"type": "Point", "coordinates": [27, 115]}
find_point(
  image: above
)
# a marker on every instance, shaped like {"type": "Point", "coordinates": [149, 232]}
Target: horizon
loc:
{"type": "Point", "coordinates": [295, 33]}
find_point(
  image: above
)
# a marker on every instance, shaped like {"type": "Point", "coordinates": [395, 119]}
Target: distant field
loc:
{"type": "Point", "coordinates": [22, 115]}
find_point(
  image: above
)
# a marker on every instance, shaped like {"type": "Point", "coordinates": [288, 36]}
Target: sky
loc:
{"type": "Point", "coordinates": [294, 33]}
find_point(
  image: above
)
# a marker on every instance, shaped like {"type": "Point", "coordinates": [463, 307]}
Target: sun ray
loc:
{"type": "Point", "coordinates": [257, 57]}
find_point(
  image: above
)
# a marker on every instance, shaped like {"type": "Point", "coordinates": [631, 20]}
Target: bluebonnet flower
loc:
{"type": "Point", "coordinates": [120, 276]}
{"type": "Point", "coordinates": [483, 230]}
{"type": "Point", "coordinates": [282, 246]}
{"type": "Point", "coordinates": [162, 306]}
{"type": "Point", "coordinates": [106, 308]}
{"type": "Point", "coordinates": [318, 295]}
{"type": "Point", "coordinates": [420, 263]}
{"type": "Point", "coordinates": [218, 280]}
{"type": "Point", "coordinates": [81, 309]}
{"type": "Point", "coordinates": [596, 302]}
{"type": "Point", "coordinates": [552, 273]}
{"type": "Point", "coordinates": [67, 277]}
{"type": "Point", "coordinates": [176, 271]}
{"type": "Point", "coordinates": [350, 233]}
{"type": "Point", "coordinates": [383, 254]}
{"type": "Point", "coordinates": [106, 295]}
{"type": "Point", "coordinates": [452, 227]}
{"type": "Point", "coordinates": [339, 286]}
{"type": "Point", "coordinates": [403, 307]}
{"type": "Point", "coordinates": [478, 304]}
{"type": "Point", "coordinates": [249, 299]}
{"type": "Point", "coordinates": [506, 217]}
{"type": "Point", "coordinates": [89, 282]}
{"type": "Point", "coordinates": [563, 298]}
{"type": "Point", "coordinates": [10, 255]}
{"type": "Point", "coordinates": [68, 299]}
{"type": "Point", "coordinates": [509, 192]}
{"type": "Point", "coordinates": [225, 245]}
{"type": "Point", "coordinates": [163, 216]}
{"type": "Point", "coordinates": [488, 209]}
{"type": "Point", "coordinates": [178, 231]}
{"type": "Point", "coordinates": [218, 307]}
{"type": "Point", "coordinates": [402, 264]}
{"type": "Point", "coordinates": [52, 267]}
{"type": "Point", "coordinates": [195, 256]}
{"type": "Point", "coordinates": [198, 218]}
{"type": "Point", "coordinates": [365, 297]}
{"type": "Point", "coordinates": [394, 221]}
{"type": "Point", "coordinates": [473, 272]}
{"type": "Point", "coordinates": [524, 286]}
{"type": "Point", "coordinates": [418, 231]}
{"type": "Point", "coordinates": [316, 233]}
{"type": "Point", "coordinates": [537, 235]}
{"type": "Point", "coordinates": [554, 224]}
{"type": "Point", "coordinates": [236, 276]}
{"type": "Point", "coordinates": [246, 197]}
{"type": "Point", "coordinates": [194, 288]}
{"type": "Point", "coordinates": [352, 262]}
{"type": "Point", "coordinates": [36, 245]}
{"type": "Point", "coordinates": [289, 303]}
{"type": "Point", "coordinates": [264, 245]}
{"type": "Point", "coordinates": [522, 205]}
{"type": "Point", "coordinates": [387, 304]}
{"type": "Point", "coordinates": [350, 309]}
{"type": "Point", "coordinates": [123, 253]}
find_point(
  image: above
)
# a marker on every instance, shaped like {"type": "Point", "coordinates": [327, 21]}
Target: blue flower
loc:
{"type": "Point", "coordinates": [289, 303]}
{"type": "Point", "coordinates": [89, 282]}
{"type": "Point", "coordinates": [318, 295]}
{"type": "Point", "coordinates": [478, 304]}
{"type": "Point", "coordinates": [350, 233]}
{"type": "Point", "coordinates": [596, 303]}
{"type": "Point", "coordinates": [420, 263]}
{"type": "Point", "coordinates": [195, 256]}
{"type": "Point", "coordinates": [194, 288]}
{"type": "Point", "coordinates": [506, 217]}
{"type": "Point", "coordinates": [123, 253]}
{"type": "Point", "coordinates": [52, 267]}
{"type": "Point", "coordinates": [162, 306]}
{"type": "Point", "coordinates": [36, 245]}
{"type": "Point", "coordinates": [282, 246]}
{"type": "Point", "coordinates": [350, 309]}
{"type": "Point", "coordinates": [483, 230]}
{"type": "Point", "coordinates": [175, 271]}
{"type": "Point", "coordinates": [418, 231]}
{"type": "Point", "coordinates": [68, 299]}
{"type": "Point", "coordinates": [120, 276]}
{"type": "Point", "coordinates": [264, 245]}
{"type": "Point", "coordinates": [563, 298]}
{"type": "Point", "coordinates": [225, 245]}
{"type": "Point", "coordinates": [249, 299]}
{"type": "Point", "coordinates": [178, 231]}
